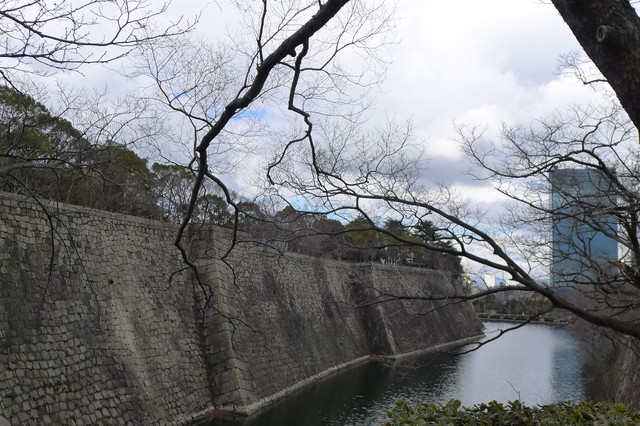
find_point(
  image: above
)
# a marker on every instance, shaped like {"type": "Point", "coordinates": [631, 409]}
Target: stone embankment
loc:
{"type": "Point", "coordinates": [100, 321]}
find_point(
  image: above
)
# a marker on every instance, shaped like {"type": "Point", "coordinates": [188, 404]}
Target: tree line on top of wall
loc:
{"type": "Point", "coordinates": [43, 155]}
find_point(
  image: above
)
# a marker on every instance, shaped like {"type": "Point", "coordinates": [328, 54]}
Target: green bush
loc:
{"type": "Point", "coordinates": [512, 413]}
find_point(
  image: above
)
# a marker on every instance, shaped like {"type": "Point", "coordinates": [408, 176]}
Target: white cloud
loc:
{"type": "Point", "coordinates": [455, 56]}
{"type": "Point", "coordinates": [479, 62]}
{"type": "Point", "coordinates": [471, 61]}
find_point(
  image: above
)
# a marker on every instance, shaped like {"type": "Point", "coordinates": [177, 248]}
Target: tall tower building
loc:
{"type": "Point", "coordinates": [583, 227]}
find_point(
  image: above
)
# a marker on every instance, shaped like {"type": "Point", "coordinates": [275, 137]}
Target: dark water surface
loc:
{"type": "Point", "coordinates": [537, 364]}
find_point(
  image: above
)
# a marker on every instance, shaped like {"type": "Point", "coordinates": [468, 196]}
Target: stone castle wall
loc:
{"type": "Point", "coordinates": [100, 322]}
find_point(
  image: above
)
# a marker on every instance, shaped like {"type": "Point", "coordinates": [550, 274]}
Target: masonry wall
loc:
{"type": "Point", "coordinates": [416, 325]}
{"type": "Point", "coordinates": [293, 317]}
{"type": "Point", "coordinates": [106, 325]}
{"type": "Point", "coordinates": [91, 329]}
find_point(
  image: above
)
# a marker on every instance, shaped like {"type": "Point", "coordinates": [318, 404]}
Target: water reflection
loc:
{"type": "Point", "coordinates": [522, 365]}
{"type": "Point", "coordinates": [537, 364]}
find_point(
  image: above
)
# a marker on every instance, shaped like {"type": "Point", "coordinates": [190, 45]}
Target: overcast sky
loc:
{"type": "Point", "coordinates": [469, 61]}
{"type": "Point", "coordinates": [483, 62]}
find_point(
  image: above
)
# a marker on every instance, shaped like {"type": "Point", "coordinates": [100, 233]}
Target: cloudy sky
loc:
{"type": "Point", "coordinates": [481, 62]}
{"type": "Point", "coordinates": [470, 61]}
{"type": "Point", "coordinates": [465, 61]}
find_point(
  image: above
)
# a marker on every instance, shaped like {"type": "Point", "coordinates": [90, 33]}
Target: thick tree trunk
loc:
{"type": "Point", "coordinates": [609, 32]}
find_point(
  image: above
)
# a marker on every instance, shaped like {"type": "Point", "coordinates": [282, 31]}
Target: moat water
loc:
{"type": "Point", "coordinates": [537, 364]}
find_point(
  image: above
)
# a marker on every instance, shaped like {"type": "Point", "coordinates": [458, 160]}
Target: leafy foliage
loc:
{"type": "Point", "coordinates": [512, 413]}
{"type": "Point", "coordinates": [399, 244]}
{"type": "Point", "coordinates": [171, 184]}
{"type": "Point", "coordinates": [44, 155]}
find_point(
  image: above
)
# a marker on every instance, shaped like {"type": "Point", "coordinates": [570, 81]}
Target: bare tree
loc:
{"type": "Point", "coordinates": [289, 59]}
{"type": "Point", "coordinates": [91, 163]}
{"type": "Point", "coordinates": [294, 54]}
{"type": "Point", "coordinates": [609, 33]}
{"type": "Point", "coordinates": [385, 181]}
{"type": "Point", "coordinates": [79, 147]}
{"type": "Point", "coordinates": [574, 178]}
{"type": "Point", "coordinates": [42, 37]}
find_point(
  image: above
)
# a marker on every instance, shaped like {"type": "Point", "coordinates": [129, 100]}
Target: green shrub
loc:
{"type": "Point", "coordinates": [512, 413]}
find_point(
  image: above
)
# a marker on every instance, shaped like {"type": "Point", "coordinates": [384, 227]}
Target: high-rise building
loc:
{"type": "Point", "coordinates": [583, 227]}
